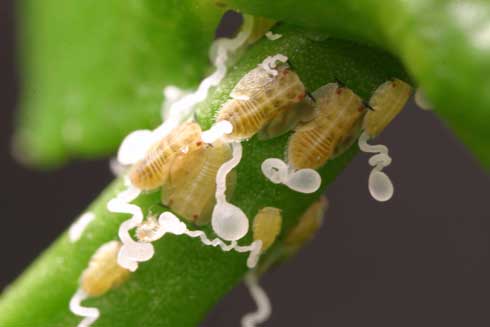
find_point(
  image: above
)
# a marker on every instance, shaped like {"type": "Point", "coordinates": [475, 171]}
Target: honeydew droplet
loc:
{"type": "Point", "coordinates": [134, 146]}
{"type": "Point", "coordinates": [380, 185]}
{"type": "Point", "coordinates": [380, 159]}
{"type": "Point", "coordinates": [229, 222]}
{"type": "Point", "coordinates": [137, 251]}
{"type": "Point", "coordinates": [275, 170]}
{"type": "Point", "coordinates": [304, 181]}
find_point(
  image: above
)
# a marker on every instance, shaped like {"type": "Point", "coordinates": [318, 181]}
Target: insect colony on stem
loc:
{"type": "Point", "coordinates": [387, 102]}
{"type": "Point", "coordinates": [194, 169]}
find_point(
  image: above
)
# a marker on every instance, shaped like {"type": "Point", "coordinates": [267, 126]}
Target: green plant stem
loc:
{"type": "Point", "coordinates": [444, 44]}
{"type": "Point", "coordinates": [185, 278]}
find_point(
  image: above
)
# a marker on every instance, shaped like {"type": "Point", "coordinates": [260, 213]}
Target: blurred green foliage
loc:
{"type": "Point", "coordinates": [92, 71]}
{"type": "Point", "coordinates": [444, 45]}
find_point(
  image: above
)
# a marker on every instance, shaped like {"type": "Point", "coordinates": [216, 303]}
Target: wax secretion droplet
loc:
{"type": "Point", "coordinates": [304, 181]}
{"type": "Point", "coordinates": [137, 251]}
{"type": "Point", "coordinates": [380, 186]}
{"type": "Point", "coordinates": [229, 222]}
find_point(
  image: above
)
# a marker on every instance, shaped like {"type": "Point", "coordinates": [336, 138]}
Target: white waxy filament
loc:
{"type": "Point", "coordinates": [228, 221]}
{"type": "Point", "coordinates": [137, 143]}
{"type": "Point", "coordinates": [217, 131]}
{"type": "Point", "coordinates": [275, 170]}
{"type": "Point", "coordinates": [171, 94]}
{"type": "Point", "coordinates": [379, 184]}
{"type": "Point", "coordinates": [131, 251]}
{"type": "Point", "coordinates": [169, 223]}
{"type": "Point", "coordinates": [76, 230]}
{"type": "Point", "coordinates": [302, 180]}
{"type": "Point", "coordinates": [90, 315]}
{"type": "Point", "coordinates": [261, 299]}
{"type": "Point", "coordinates": [270, 63]}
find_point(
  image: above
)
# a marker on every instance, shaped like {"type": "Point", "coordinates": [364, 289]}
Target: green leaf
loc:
{"type": "Point", "coordinates": [94, 70]}
{"type": "Point", "coordinates": [444, 44]}
{"type": "Point", "coordinates": [185, 279]}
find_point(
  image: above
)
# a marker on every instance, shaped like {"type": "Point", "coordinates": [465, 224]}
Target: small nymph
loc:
{"type": "Point", "coordinates": [103, 273]}
{"type": "Point", "coordinates": [190, 190]}
{"type": "Point", "coordinates": [387, 102]}
{"type": "Point", "coordinates": [259, 97]}
{"type": "Point", "coordinates": [287, 120]}
{"type": "Point", "coordinates": [153, 170]}
{"type": "Point", "coordinates": [338, 111]}
{"type": "Point", "coordinates": [304, 180]}
{"type": "Point", "coordinates": [266, 226]}
{"type": "Point", "coordinates": [304, 230]}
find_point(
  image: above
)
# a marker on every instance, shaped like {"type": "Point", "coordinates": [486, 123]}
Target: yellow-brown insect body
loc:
{"type": "Point", "coordinates": [387, 101]}
{"type": "Point", "coordinates": [152, 171]}
{"type": "Point", "coordinates": [307, 226]}
{"type": "Point", "coordinates": [338, 111]}
{"type": "Point", "coordinates": [103, 273]}
{"type": "Point", "coordinates": [190, 190]}
{"type": "Point", "coordinates": [266, 226]}
{"type": "Point", "coordinates": [287, 120]}
{"type": "Point", "coordinates": [305, 229]}
{"type": "Point", "coordinates": [260, 26]}
{"type": "Point", "coordinates": [258, 98]}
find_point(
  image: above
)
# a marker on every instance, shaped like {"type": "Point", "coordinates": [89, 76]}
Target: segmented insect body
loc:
{"type": "Point", "coordinates": [347, 140]}
{"type": "Point", "coordinates": [152, 171]}
{"type": "Point", "coordinates": [266, 226]}
{"type": "Point", "coordinates": [339, 110]}
{"type": "Point", "coordinates": [387, 102]}
{"type": "Point", "coordinates": [287, 120]}
{"type": "Point", "coordinates": [307, 226]}
{"type": "Point", "coordinates": [103, 273]}
{"type": "Point", "coordinates": [259, 97]}
{"type": "Point", "coordinates": [190, 190]}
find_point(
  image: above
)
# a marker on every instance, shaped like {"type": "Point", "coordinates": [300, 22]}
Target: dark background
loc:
{"type": "Point", "coordinates": [422, 259]}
